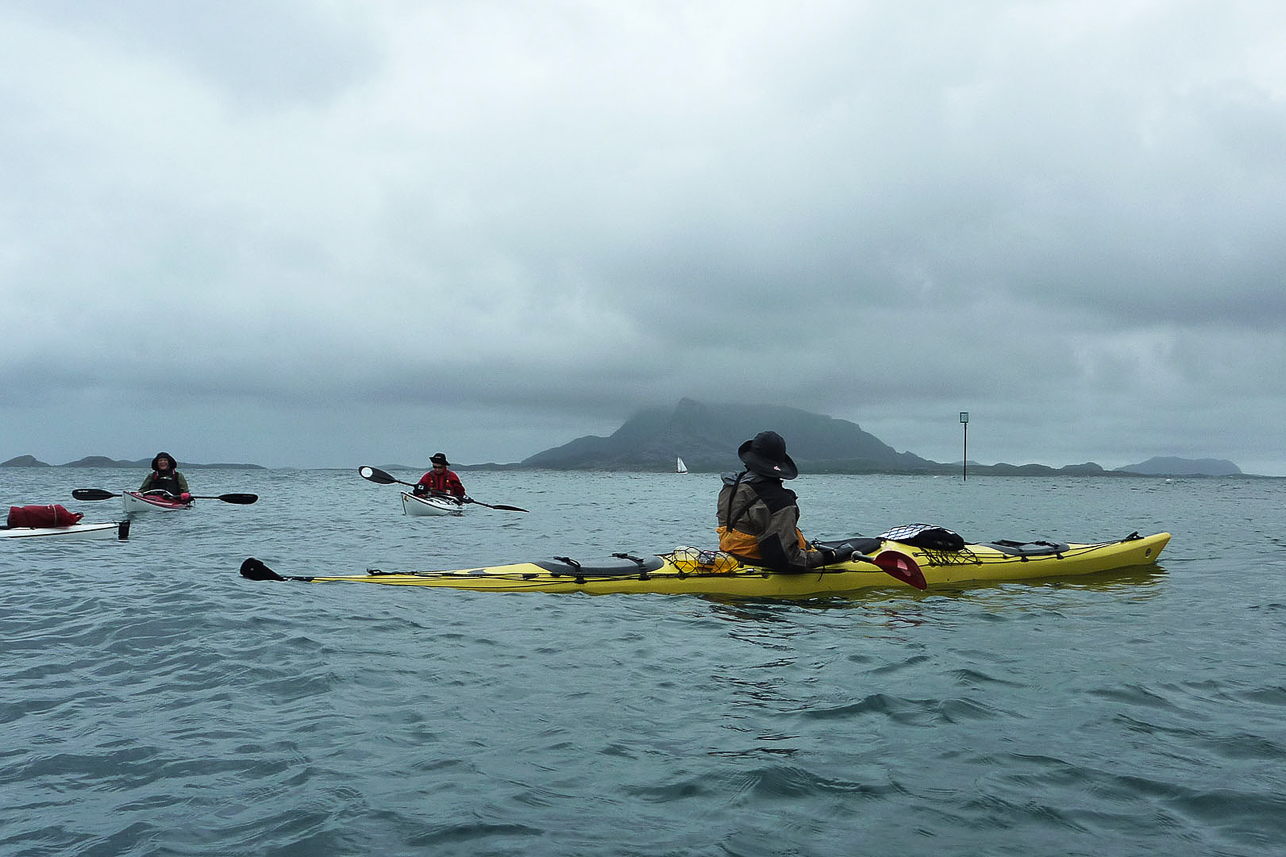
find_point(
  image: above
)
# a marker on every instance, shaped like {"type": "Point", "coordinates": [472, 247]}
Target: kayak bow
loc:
{"type": "Point", "coordinates": [135, 501]}
{"type": "Point", "coordinates": [433, 504]}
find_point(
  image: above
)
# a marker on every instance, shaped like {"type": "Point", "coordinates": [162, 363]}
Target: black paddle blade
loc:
{"type": "Point", "coordinates": [374, 474]}
{"type": "Point", "coordinates": [253, 569]}
{"type": "Point", "coordinates": [239, 499]}
{"type": "Point", "coordinates": [92, 494]}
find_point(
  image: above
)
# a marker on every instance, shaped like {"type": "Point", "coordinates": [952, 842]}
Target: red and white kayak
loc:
{"type": "Point", "coordinates": [135, 501]}
{"type": "Point", "coordinates": [109, 530]}
{"type": "Point", "coordinates": [433, 504]}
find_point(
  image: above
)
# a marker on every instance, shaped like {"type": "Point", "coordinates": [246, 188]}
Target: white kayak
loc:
{"type": "Point", "coordinates": [433, 504]}
{"type": "Point", "coordinates": [138, 502]}
{"type": "Point", "coordinates": [109, 530]}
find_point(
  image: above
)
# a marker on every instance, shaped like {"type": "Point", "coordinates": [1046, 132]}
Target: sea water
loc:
{"type": "Point", "coordinates": [153, 702]}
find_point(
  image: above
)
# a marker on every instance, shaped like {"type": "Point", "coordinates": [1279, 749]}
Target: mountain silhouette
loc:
{"type": "Point", "coordinates": [1170, 466]}
{"type": "Point", "coordinates": [707, 437]}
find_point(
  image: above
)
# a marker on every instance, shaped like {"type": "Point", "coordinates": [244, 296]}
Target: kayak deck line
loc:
{"type": "Point", "coordinates": [1006, 553]}
{"type": "Point", "coordinates": [625, 573]}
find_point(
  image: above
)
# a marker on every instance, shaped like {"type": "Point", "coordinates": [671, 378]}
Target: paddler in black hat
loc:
{"type": "Point", "coordinates": [758, 515]}
{"type": "Point", "coordinates": [440, 480]}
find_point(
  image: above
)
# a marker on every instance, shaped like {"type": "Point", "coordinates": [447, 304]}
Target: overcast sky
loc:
{"type": "Point", "coordinates": [321, 234]}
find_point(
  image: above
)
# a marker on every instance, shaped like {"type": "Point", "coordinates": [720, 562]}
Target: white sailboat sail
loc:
{"type": "Point", "coordinates": [681, 467]}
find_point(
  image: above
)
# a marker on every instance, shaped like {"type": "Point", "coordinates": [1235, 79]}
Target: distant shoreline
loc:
{"type": "Point", "coordinates": [819, 469]}
{"type": "Point", "coordinates": [103, 461]}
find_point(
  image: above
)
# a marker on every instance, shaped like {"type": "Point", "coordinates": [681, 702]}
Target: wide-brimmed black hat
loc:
{"type": "Point", "coordinates": [439, 458]}
{"type": "Point", "coordinates": [766, 455]}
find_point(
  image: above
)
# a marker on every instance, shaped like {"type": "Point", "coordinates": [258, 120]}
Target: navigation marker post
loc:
{"type": "Point", "coordinates": [964, 465]}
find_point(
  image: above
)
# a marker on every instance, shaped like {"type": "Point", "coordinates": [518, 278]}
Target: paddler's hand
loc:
{"type": "Point", "coordinates": [831, 556]}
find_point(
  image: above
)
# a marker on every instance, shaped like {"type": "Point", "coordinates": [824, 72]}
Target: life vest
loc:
{"type": "Point", "coordinates": [743, 544]}
{"type": "Point", "coordinates": [445, 482]}
{"type": "Point", "coordinates": [169, 482]}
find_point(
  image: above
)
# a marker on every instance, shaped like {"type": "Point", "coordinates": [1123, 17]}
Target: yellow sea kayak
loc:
{"type": "Point", "coordinates": [900, 565]}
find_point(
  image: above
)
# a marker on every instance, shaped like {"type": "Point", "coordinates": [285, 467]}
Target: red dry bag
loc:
{"type": "Point", "coordinates": [53, 515]}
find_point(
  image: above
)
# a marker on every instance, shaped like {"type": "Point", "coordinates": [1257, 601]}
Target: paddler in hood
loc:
{"type": "Point", "coordinates": [758, 516]}
{"type": "Point", "coordinates": [166, 478]}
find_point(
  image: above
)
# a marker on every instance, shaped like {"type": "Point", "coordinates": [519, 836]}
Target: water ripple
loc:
{"type": "Point", "coordinates": [159, 706]}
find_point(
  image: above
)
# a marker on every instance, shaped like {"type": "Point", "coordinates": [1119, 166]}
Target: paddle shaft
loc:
{"type": "Point", "coordinates": [499, 506]}
{"type": "Point", "coordinates": [100, 494]}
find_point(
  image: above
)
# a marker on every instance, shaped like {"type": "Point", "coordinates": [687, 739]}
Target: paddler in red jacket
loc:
{"type": "Point", "coordinates": [440, 480]}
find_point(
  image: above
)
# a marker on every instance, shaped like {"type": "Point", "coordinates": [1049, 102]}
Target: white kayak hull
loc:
{"type": "Point", "coordinates": [118, 530]}
{"type": "Point", "coordinates": [431, 505]}
{"type": "Point", "coordinates": [135, 502]}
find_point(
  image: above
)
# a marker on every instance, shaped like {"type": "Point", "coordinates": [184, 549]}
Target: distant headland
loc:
{"type": "Point", "coordinates": [706, 438]}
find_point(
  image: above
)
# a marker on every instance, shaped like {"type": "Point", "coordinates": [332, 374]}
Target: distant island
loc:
{"type": "Point", "coordinates": [706, 437]}
{"type": "Point", "coordinates": [1170, 466]}
{"type": "Point", "coordinates": [103, 461]}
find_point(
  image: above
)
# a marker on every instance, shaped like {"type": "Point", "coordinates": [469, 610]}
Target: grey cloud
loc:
{"type": "Point", "coordinates": [1062, 218]}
